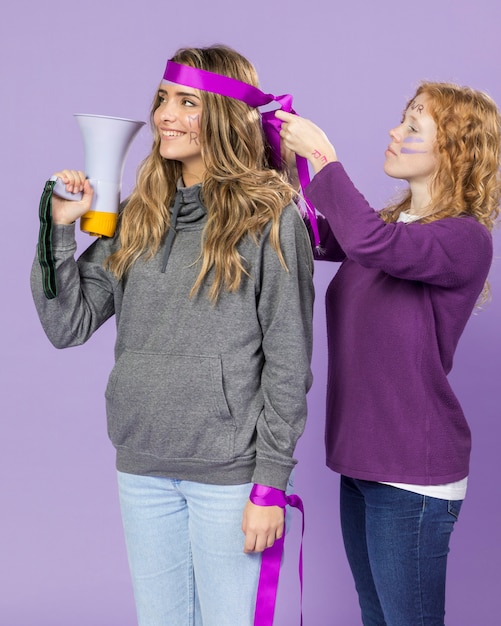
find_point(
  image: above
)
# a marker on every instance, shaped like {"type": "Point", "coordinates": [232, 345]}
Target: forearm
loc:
{"type": "Point", "coordinates": [83, 302]}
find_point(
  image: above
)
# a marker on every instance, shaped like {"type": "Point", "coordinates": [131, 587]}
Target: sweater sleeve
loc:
{"type": "Point", "coordinates": [446, 253]}
{"type": "Point", "coordinates": [285, 310]}
{"type": "Point", "coordinates": [85, 290]}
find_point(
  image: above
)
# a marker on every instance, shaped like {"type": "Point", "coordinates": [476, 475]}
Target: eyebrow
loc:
{"type": "Point", "coordinates": [189, 94]}
{"type": "Point", "coordinates": [411, 117]}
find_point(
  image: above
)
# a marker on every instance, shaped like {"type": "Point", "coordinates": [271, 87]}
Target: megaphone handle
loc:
{"type": "Point", "coordinates": [60, 190]}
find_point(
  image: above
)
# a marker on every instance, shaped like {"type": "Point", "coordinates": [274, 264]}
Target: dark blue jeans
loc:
{"type": "Point", "coordinates": [397, 544]}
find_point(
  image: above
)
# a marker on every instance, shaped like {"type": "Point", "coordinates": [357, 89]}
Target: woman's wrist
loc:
{"type": "Point", "coordinates": [319, 158]}
{"type": "Point", "coordinates": [263, 495]}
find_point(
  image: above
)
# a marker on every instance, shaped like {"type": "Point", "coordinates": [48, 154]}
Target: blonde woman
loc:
{"type": "Point", "coordinates": [409, 280]}
{"type": "Point", "coordinates": [210, 279]}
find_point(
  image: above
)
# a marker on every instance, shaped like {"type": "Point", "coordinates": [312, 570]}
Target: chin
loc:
{"type": "Point", "coordinates": [392, 173]}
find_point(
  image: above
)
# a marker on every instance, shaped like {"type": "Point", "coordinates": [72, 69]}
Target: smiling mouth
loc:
{"type": "Point", "coordinates": [172, 133]}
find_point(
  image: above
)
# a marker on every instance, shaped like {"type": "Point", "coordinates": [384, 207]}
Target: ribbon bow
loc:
{"type": "Point", "coordinates": [272, 125]}
{"type": "Point", "coordinates": [253, 97]}
{"type": "Point", "coordinates": [272, 557]}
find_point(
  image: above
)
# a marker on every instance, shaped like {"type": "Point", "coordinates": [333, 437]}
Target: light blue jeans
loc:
{"type": "Point", "coordinates": [185, 548]}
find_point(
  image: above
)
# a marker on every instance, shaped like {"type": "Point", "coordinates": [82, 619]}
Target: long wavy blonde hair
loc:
{"type": "Point", "coordinates": [467, 180]}
{"type": "Point", "coordinates": [240, 190]}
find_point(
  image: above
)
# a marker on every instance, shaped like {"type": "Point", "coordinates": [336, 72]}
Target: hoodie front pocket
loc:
{"type": "Point", "coordinates": [170, 406]}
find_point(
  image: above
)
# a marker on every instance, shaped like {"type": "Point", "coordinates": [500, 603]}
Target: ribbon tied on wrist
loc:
{"type": "Point", "coordinates": [262, 495]}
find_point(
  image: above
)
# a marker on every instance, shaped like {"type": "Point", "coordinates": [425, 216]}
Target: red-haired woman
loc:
{"type": "Point", "coordinates": [410, 278]}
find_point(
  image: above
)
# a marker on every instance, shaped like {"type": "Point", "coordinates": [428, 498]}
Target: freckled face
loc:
{"type": "Point", "coordinates": [177, 120]}
{"type": "Point", "coordinates": [411, 154]}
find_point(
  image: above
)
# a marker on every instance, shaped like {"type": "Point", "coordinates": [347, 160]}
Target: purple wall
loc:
{"type": "Point", "coordinates": [350, 66]}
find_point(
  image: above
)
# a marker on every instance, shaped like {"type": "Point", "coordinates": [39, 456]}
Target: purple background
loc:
{"type": "Point", "coordinates": [351, 66]}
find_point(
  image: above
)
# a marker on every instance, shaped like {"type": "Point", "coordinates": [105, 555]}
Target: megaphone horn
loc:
{"type": "Point", "coordinates": [106, 143]}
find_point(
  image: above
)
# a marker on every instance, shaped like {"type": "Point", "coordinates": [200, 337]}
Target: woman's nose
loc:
{"type": "Point", "coordinates": [167, 112]}
{"type": "Point", "coordinates": [395, 134]}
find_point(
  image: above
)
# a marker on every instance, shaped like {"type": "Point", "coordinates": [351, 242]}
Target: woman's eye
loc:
{"type": "Point", "coordinates": [188, 103]}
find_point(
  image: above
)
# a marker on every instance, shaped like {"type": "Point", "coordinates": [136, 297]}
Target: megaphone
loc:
{"type": "Point", "coordinates": [106, 143]}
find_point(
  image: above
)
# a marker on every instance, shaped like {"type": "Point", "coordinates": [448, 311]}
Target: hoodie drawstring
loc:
{"type": "Point", "coordinates": [172, 230]}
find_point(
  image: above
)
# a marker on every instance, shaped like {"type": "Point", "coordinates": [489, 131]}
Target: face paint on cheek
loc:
{"type": "Point", "coordinates": [410, 150]}
{"type": "Point", "coordinates": [194, 121]}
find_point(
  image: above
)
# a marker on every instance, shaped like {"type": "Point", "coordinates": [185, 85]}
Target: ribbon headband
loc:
{"type": "Point", "coordinates": [233, 88]}
{"type": "Point", "coordinates": [216, 83]}
{"type": "Point", "coordinates": [253, 97]}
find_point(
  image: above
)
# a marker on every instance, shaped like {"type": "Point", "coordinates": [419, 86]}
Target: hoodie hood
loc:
{"type": "Point", "coordinates": [187, 212]}
{"type": "Point", "coordinates": [191, 212]}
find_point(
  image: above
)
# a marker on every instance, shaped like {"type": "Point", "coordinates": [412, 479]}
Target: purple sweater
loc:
{"type": "Point", "coordinates": [396, 309]}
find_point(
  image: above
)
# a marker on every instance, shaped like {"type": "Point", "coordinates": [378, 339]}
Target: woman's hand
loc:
{"type": "Point", "coordinates": [306, 139]}
{"type": "Point", "coordinates": [262, 525]}
{"type": "Point", "coordinates": [68, 211]}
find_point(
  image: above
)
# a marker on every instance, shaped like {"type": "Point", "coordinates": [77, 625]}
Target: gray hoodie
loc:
{"type": "Point", "coordinates": [213, 393]}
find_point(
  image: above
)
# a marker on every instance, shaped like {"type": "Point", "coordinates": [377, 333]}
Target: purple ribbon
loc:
{"type": "Point", "coordinates": [262, 495]}
{"type": "Point", "coordinates": [253, 97]}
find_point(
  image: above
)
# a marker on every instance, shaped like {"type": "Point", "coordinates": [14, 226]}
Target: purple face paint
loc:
{"type": "Point", "coordinates": [410, 150]}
